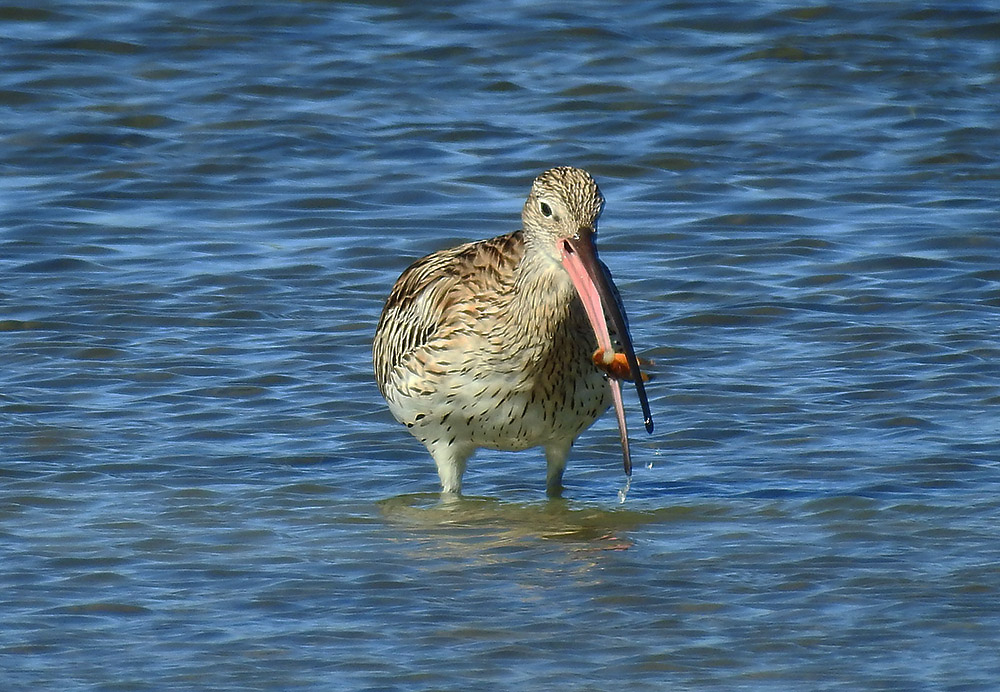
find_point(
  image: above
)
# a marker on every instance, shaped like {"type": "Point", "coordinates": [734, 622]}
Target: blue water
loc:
{"type": "Point", "coordinates": [204, 205]}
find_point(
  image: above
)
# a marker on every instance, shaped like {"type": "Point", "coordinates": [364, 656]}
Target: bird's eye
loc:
{"type": "Point", "coordinates": [546, 209]}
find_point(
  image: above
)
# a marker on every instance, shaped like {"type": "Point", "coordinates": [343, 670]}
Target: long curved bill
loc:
{"type": "Point", "coordinates": [600, 298]}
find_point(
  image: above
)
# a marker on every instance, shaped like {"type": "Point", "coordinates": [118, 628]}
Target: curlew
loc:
{"type": "Point", "coordinates": [505, 343]}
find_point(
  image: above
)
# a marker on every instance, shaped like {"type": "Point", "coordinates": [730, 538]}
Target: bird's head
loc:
{"type": "Point", "coordinates": [564, 203]}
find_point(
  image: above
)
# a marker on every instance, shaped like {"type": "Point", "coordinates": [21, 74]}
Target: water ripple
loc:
{"type": "Point", "coordinates": [205, 204]}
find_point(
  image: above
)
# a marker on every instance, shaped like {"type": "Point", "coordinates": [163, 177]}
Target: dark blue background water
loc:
{"type": "Point", "coordinates": [204, 204]}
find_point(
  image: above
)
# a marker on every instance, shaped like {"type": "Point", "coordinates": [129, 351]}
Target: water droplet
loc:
{"type": "Point", "coordinates": [623, 492]}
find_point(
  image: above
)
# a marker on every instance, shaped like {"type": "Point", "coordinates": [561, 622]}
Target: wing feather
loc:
{"type": "Point", "coordinates": [423, 300]}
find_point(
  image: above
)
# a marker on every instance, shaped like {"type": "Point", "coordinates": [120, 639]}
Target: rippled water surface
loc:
{"type": "Point", "coordinates": [204, 204]}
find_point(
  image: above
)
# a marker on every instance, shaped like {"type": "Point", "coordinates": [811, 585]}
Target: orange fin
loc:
{"type": "Point", "coordinates": [618, 367]}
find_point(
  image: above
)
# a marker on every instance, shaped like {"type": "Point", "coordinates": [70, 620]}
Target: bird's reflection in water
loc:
{"type": "Point", "coordinates": [495, 522]}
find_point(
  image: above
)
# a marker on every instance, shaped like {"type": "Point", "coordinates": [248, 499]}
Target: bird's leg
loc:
{"type": "Point", "coordinates": [616, 365]}
{"type": "Point", "coordinates": [450, 461]}
{"type": "Point", "coordinates": [556, 455]}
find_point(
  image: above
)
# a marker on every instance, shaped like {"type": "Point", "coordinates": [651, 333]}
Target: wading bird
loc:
{"type": "Point", "coordinates": [504, 343]}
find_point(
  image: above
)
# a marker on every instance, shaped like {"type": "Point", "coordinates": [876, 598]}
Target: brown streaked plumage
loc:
{"type": "Point", "coordinates": [492, 343]}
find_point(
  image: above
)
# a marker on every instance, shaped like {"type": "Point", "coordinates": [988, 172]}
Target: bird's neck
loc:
{"type": "Point", "coordinates": [544, 297]}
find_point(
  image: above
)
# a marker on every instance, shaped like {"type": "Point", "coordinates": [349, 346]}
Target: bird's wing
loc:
{"type": "Point", "coordinates": [423, 299]}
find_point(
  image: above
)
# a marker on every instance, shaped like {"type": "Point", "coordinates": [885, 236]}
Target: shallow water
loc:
{"type": "Point", "coordinates": [204, 204]}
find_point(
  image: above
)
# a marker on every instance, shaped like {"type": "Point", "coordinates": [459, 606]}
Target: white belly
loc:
{"type": "Point", "coordinates": [510, 406]}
